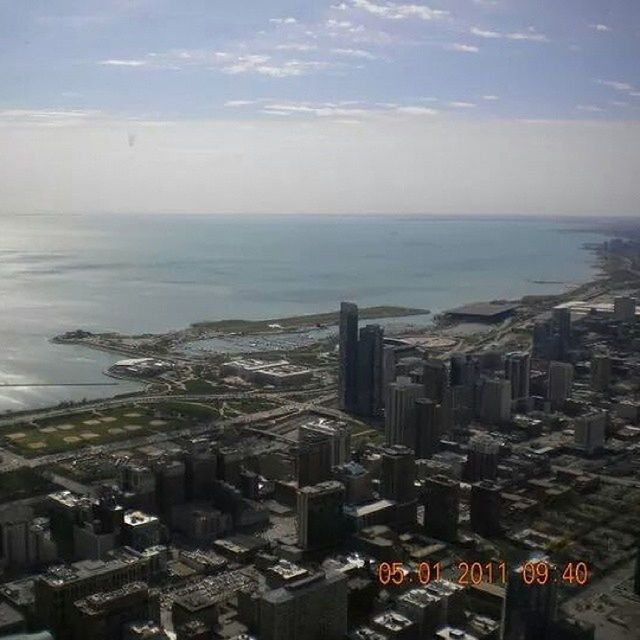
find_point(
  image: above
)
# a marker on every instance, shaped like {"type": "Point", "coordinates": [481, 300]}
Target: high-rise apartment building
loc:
{"type": "Point", "coordinates": [348, 372]}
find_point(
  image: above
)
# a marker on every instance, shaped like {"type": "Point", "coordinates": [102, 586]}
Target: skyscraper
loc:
{"type": "Point", "coordinates": [517, 367]}
{"type": "Point", "coordinates": [562, 321]}
{"type": "Point", "coordinates": [427, 430]}
{"type": "Point", "coordinates": [442, 503]}
{"type": "Point", "coordinates": [398, 474]}
{"type": "Point", "coordinates": [560, 383]}
{"type": "Point", "coordinates": [369, 370]}
{"type": "Point", "coordinates": [529, 609]}
{"type": "Point", "coordinates": [339, 433]}
{"type": "Point", "coordinates": [495, 402]}
{"type": "Point", "coordinates": [313, 608]}
{"type": "Point", "coordinates": [347, 373]}
{"type": "Point", "coordinates": [314, 458]}
{"type": "Point", "coordinates": [388, 368]}
{"type": "Point", "coordinates": [590, 431]}
{"type": "Point", "coordinates": [400, 411]}
{"type": "Point", "coordinates": [485, 508]}
{"type": "Point", "coordinates": [319, 515]}
{"type": "Point", "coordinates": [600, 372]}
{"type": "Point", "coordinates": [464, 370]}
{"type": "Point", "coordinates": [435, 378]}
{"type": "Point", "coordinates": [482, 458]}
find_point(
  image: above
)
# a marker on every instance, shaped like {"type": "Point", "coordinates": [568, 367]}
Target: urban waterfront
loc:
{"type": "Point", "coordinates": [140, 274]}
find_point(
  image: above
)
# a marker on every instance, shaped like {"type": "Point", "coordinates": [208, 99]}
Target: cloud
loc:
{"type": "Point", "coordinates": [345, 109]}
{"type": "Point", "coordinates": [530, 35]}
{"type": "Point", "coordinates": [246, 63]}
{"type": "Point", "coordinates": [355, 53]}
{"type": "Point", "coordinates": [239, 103]}
{"type": "Point", "coordinates": [491, 98]}
{"type": "Point", "coordinates": [283, 20]}
{"type": "Point", "coordinates": [226, 62]}
{"type": "Point", "coordinates": [296, 46]}
{"type": "Point", "coordinates": [461, 105]}
{"type": "Point", "coordinates": [483, 33]}
{"type": "Point", "coordinates": [615, 84]}
{"type": "Point", "coordinates": [322, 110]}
{"type": "Point", "coordinates": [464, 48]}
{"type": "Point", "coordinates": [393, 11]}
{"type": "Point", "coordinates": [417, 111]}
{"type": "Point", "coordinates": [115, 62]}
{"type": "Point", "coordinates": [600, 27]}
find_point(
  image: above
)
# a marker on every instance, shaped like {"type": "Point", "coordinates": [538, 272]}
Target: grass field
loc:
{"type": "Point", "coordinates": [57, 435]}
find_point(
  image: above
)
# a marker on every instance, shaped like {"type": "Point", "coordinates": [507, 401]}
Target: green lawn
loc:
{"type": "Point", "coordinates": [56, 435]}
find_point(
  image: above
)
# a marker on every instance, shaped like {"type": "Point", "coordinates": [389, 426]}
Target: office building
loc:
{"type": "Point", "coordinates": [357, 482]}
{"type": "Point", "coordinates": [314, 457]}
{"type": "Point", "coordinates": [547, 344]}
{"type": "Point", "coordinates": [369, 367]}
{"type": "Point", "coordinates": [400, 411]}
{"type": "Point", "coordinates": [560, 383]}
{"type": "Point", "coordinates": [200, 462]}
{"type": "Point", "coordinates": [348, 354]}
{"type": "Point", "coordinates": [624, 308]}
{"type": "Point", "coordinates": [105, 615]}
{"type": "Point", "coordinates": [562, 322]}
{"type": "Point", "coordinates": [529, 609]}
{"type": "Point", "coordinates": [517, 369]}
{"type": "Point", "coordinates": [484, 508]}
{"type": "Point", "coordinates": [395, 626]}
{"type": "Point", "coordinates": [139, 482]}
{"type": "Point", "coordinates": [398, 474]}
{"type": "Point", "coordinates": [145, 630]}
{"type": "Point", "coordinates": [60, 587]}
{"type": "Point", "coordinates": [435, 377]}
{"type": "Point", "coordinates": [482, 458]}
{"type": "Point", "coordinates": [464, 370]}
{"type": "Point", "coordinates": [170, 486]}
{"type": "Point", "coordinates": [600, 372]}
{"type": "Point", "coordinates": [427, 430]}
{"type": "Point", "coordinates": [388, 368]}
{"type": "Point", "coordinates": [590, 432]}
{"type": "Point", "coordinates": [495, 401]}
{"type": "Point", "coordinates": [425, 608]}
{"type": "Point", "coordinates": [339, 433]}
{"type": "Point", "coordinates": [319, 515]}
{"type": "Point", "coordinates": [313, 608]}
{"type": "Point", "coordinates": [196, 606]}
{"type": "Point", "coordinates": [441, 508]}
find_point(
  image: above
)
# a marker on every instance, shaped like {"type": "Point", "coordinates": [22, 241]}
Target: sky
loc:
{"type": "Point", "coordinates": [320, 106]}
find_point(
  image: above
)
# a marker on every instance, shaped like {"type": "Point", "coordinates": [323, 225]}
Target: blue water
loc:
{"type": "Point", "coordinates": [153, 273]}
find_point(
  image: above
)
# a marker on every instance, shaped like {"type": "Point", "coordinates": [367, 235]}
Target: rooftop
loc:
{"type": "Point", "coordinates": [484, 310]}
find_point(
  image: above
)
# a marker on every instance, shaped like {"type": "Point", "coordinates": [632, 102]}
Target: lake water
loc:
{"type": "Point", "coordinates": [153, 273]}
